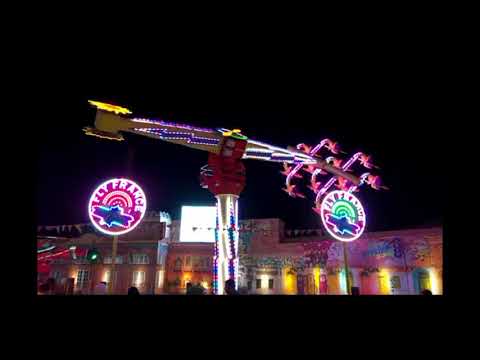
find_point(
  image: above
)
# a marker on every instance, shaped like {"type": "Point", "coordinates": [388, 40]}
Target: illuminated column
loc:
{"type": "Point", "coordinates": [226, 242]}
{"type": "Point", "coordinates": [342, 280]}
{"type": "Point", "coordinates": [435, 281]}
{"type": "Point", "coordinates": [356, 277]}
{"type": "Point", "coordinates": [316, 279]}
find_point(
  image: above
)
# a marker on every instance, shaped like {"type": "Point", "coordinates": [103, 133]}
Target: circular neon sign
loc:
{"type": "Point", "coordinates": [117, 206]}
{"type": "Point", "coordinates": [343, 216]}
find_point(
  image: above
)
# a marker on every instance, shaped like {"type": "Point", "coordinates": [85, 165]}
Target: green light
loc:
{"type": "Point", "coordinates": [93, 255]}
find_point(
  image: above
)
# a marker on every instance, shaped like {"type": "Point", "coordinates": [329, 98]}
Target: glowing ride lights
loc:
{"type": "Point", "coordinates": [110, 108]}
{"type": "Point", "coordinates": [117, 206]}
{"type": "Point", "coordinates": [224, 176]}
{"type": "Point", "coordinates": [226, 242]}
{"type": "Point", "coordinates": [343, 216]}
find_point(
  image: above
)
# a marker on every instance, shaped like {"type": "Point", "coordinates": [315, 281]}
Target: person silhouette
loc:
{"type": "Point", "coordinates": [230, 287]}
{"type": "Point", "coordinates": [133, 291]}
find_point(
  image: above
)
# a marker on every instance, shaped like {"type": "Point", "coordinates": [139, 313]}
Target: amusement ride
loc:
{"type": "Point", "coordinates": [225, 176]}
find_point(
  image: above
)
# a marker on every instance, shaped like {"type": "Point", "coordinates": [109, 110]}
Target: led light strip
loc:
{"type": "Point", "coordinates": [171, 124]}
{"type": "Point", "coordinates": [312, 153]}
{"type": "Point", "coordinates": [190, 138]}
{"type": "Point", "coordinates": [330, 182]}
{"type": "Point", "coordinates": [363, 179]}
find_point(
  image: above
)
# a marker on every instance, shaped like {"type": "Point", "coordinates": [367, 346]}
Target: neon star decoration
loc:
{"type": "Point", "coordinates": [343, 216]}
{"type": "Point", "coordinates": [117, 206]}
{"type": "Point", "coordinates": [342, 224]}
{"type": "Point", "coordinates": [112, 216]}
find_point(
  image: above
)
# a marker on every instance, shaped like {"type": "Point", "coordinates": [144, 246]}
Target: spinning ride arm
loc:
{"type": "Point", "coordinates": [224, 175]}
{"type": "Point", "coordinates": [112, 120]}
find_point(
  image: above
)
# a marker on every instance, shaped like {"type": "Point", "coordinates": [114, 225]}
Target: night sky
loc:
{"type": "Point", "coordinates": [391, 128]}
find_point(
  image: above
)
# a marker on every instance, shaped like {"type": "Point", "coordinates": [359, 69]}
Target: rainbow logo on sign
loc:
{"type": "Point", "coordinates": [117, 206]}
{"type": "Point", "coordinates": [343, 216]}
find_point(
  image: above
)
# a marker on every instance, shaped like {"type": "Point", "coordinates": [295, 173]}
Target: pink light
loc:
{"type": "Point", "coordinates": [125, 194]}
{"type": "Point", "coordinates": [117, 195]}
{"type": "Point", "coordinates": [363, 179]}
{"type": "Point", "coordinates": [312, 153]}
{"type": "Point", "coordinates": [332, 181]}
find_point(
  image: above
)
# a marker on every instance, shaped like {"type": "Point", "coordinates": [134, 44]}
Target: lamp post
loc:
{"type": "Point", "coordinates": [111, 286]}
{"type": "Point", "coordinates": [347, 277]}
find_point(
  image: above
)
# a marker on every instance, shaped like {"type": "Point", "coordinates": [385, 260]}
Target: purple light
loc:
{"type": "Point", "coordinates": [189, 137]}
{"type": "Point", "coordinates": [313, 152]}
{"type": "Point", "coordinates": [171, 124]}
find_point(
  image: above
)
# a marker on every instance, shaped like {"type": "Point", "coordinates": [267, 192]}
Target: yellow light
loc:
{"type": "Point", "coordinates": [102, 135]}
{"type": "Point", "coordinates": [106, 276]}
{"type": "Point", "coordinates": [290, 282]}
{"type": "Point", "coordinates": [230, 133]}
{"type": "Point", "coordinates": [316, 278]}
{"type": "Point", "coordinates": [384, 279]}
{"type": "Point", "coordinates": [187, 277]}
{"type": "Point", "coordinates": [264, 281]}
{"type": "Point", "coordinates": [205, 284]}
{"type": "Point", "coordinates": [434, 281]}
{"type": "Point", "coordinates": [111, 108]}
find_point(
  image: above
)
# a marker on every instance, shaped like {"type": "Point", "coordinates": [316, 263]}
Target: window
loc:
{"type": "Point", "coordinates": [108, 260]}
{"type": "Point", "coordinates": [57, 275]}
{"type": "Point", "coordinates": [107, 276]}
{"type": "Point", "coordinates": [249, 285]}
{"type": "Point", "coordinates": [259, 283]}
{"type": "Point", "coordinates": [138, 278]}
{"type": "Point", "coordinates": [178, 264]}
{"type": "Point", "coordinates": [205, 262]}
{"type": "Point", "coordinates": [187, 261]}
{"type": "Point", "coordinates": [160, 277]}
{"type": "Point", "coordinates": [82, 278]}
{"type": "Point", "coordinates": [395, 282]}
{"type": "Point", "coordinates": [195, 261]}
{"type": "Point", "coordinates": [139, 259]}
{"type": "Point", "coordinates": [270, 283]}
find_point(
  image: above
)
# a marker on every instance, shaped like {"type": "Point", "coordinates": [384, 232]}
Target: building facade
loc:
{"type": "Point", "coordinates": [140, 260]}
{"type": "Point", "coordinates": [273, 261]}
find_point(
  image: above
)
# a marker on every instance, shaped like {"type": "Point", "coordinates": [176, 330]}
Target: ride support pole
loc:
{"type": "Point", "coordinates": [112, 271]}
{"type": "Point", "coordinates": [347, 276]}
